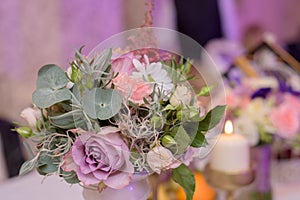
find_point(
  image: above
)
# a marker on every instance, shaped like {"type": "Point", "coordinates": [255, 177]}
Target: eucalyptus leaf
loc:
{"type": "Point", "coordinates": [101, 103]}
{"type": "Point", "coordinates": [185, 178]}
{"type": "Point", "coordinates": [76, 97]}
{"type": "Point", "coordinates": [47, 164]}
{"type": "Point", "coordinates": [102, 61]}
{"type": "Point", "coordinates": [84, 64]}
{"type": "Point", "coordinates": [46, 97]}
{"type": "Point", "coordinates": [51, 76]}
{"type": "Point", "coordinates": [70, 177]}
{"type": "Point", "coordinates": [28, 166]}
{"type": "Point", "coordinates": [68, 120]}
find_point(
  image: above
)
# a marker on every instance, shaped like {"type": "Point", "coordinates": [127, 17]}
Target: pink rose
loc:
{"type": "Point", "coordinates": [123, 64]}
{"type": "Point", "coordinates": [133, 89]}
{"type": "Point", "coordinates": [286, 120]}
{"type": "Point", "coordinates": [100, 157]}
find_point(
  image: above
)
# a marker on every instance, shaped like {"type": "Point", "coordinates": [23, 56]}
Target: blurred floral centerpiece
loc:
{"type": "Point", "coordinates": [117, 116]}
{"type": "Point", "coordinates": [263, 108]}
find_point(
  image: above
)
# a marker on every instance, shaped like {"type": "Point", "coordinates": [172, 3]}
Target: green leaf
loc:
{"type": "Point", "coordinates": [46, 97]}
{"type": "Point", "coordinates": [102, 61]}
{"type": "Point", "coordinates": [68, 120]}
{"type": "Point", "coordinates": [102, 103]}
{"type": "Point", "coordinates": [51, 76]}
{"type": "Point", "coordinates": [209, 121]}
{"type": "Point", "coordinates": [182, 140]}
{"type": "Point", "coordinates": [24, 131]}
{"type": "Point", "coordinates": [27, 166]}
{"type": "Point", "coordinates": [185, 178]}
{"type": "Point", "coordinates": [76, 75]}
{"type": "Point", "coordinates": [84, 65]}
{"type": "Point", "coordinates": [169, 107]}
{"type": "Point", "coordinates": [205, 91]}
{"type": "Point", "coordinates": [70, 177]}
{"type": "Point", "coordinates": [47, 164]}
{"type": "Point", "coordinates": [212, 118]}
{"type": "Point", "coordinates": [199, 140]}
{"type": "Point", "coordinates": [191, 127]}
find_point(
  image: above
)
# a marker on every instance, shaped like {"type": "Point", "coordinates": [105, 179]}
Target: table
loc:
{"type": "Point", "coordinates": [35, 187]}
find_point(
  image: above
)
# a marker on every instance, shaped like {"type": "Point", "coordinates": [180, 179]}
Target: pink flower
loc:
{"type": "Point", "coordinates": [286, 120]}
{"type": "Point", "coordinates": [234, 100]}
{"type": "Point", "coordinates": [292, 100]}
{"type": "Point", "coordinates": [123, 64]}
{"type": "Point", "coordinates": [189, 155]}
{"type": "Point", "coordinates": [100, 157]}
{"type": "Point", "coordinates": [133, 89]}
{"type": "Point", "coordinates": [32, 115]}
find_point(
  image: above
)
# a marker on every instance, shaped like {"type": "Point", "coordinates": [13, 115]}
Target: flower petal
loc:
{"type": "Point", "coordinates": [118, 180]}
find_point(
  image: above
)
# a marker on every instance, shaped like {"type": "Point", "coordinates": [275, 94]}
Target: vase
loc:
{"type": "Point", "coordinates": [138, 189]}
{"type": "Point", "coordinates": [261, 157]}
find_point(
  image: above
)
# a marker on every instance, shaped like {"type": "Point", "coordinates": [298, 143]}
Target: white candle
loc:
{"type": "Point", "coordinates": [231, 154]}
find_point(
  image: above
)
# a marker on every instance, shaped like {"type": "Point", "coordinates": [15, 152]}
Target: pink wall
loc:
{"type": "Point", "coordinates": [37, 32]}
{"type": "Point", "coordinates": [281, 17]}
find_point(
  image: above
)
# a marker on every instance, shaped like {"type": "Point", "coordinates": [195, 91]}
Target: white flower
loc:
{"type": "Point", "coordinates": [258, 110]}
{"type": "Point", "coordinates": [262, 82]}
{"type": "Point", "coordinates": [160, 158]}
{"type": "Point", "coordinates": [31, 115]}
{"type": "Point", "coordinates": [155, 73]}
{"type": "Point", "coordinates": [294, 81]}
{"type": "Point", "coordinates": [247, 127]}
{"type": "Point", "coordinates": [182, 94]}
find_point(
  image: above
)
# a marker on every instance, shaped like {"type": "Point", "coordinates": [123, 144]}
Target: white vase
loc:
{"type": "Point", "coordinates": [138, 189]}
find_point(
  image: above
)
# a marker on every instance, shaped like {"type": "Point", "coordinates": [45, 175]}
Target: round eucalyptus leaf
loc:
{"type": "Point", "coordinates": [46, 97]}
{"type": "Point", "coordinates": [101, 103]}
{"type": "Point", "coordinates": [51, 76]}
{"type": "Point", "coordinates": [47, 164]}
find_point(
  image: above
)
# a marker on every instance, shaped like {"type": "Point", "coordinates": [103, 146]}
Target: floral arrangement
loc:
{"type": "Point", "coordinates": [263, 108]}
{"type": "Point", "coordinates": [112, 116]}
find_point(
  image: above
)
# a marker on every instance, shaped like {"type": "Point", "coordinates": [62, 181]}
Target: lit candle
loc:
{"type": "Point", "coordinates": [231, 154]}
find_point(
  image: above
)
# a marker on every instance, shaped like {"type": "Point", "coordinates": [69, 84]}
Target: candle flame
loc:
{"type": "Point", "coordinates": [228, 127]}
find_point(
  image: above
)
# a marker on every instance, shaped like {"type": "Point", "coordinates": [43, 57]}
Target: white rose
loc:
{"type": "Point", "coordinates": [160, 158]}
{"type": "Point", "coordinates": [182, 94]}
{"type": "Point", "coordinates": [31, 115]}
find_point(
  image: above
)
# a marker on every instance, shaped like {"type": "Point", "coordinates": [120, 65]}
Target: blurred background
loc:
{"type": "Point", "coordinates": [38, 32]}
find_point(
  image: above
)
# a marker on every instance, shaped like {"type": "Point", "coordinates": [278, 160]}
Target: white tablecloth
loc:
{"type": "Point", "coordinates": [33, 187]}
{"type": "Point", "coordinates": [285, 186]}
